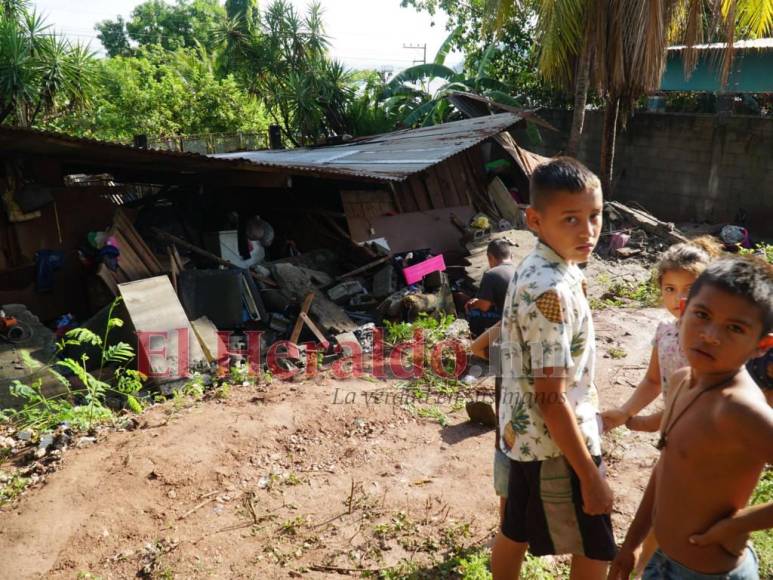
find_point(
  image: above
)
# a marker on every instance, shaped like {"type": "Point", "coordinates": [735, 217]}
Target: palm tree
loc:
{"type": "Point", "coordinates": [624, 42]}
{"type": "Point", "coordinates": [39, 71]}
{"type": "Point", "coordinates": [563, 37]}
{"type": "Point", "coordinates": [282, 59]}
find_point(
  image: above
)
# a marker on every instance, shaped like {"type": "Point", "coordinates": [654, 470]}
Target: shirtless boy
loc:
{"type": "Point", "coordinates": [716, 435]}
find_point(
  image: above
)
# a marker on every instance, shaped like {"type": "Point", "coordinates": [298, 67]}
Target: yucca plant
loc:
{"type": "Point", "coordinates": [39, 71]}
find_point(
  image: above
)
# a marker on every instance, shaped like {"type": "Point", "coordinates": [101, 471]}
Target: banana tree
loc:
{"type": "Point", "coordinates": [406, 96]}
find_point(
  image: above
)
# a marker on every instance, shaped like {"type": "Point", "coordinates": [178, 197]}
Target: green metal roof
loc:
{"type": "Point", "coordinates": [752, 70]}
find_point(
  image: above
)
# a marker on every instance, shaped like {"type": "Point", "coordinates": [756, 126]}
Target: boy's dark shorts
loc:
{"type": "Point", "coordinates": [544, 509]}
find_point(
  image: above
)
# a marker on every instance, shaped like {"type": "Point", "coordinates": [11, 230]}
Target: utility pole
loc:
{"type": "Point", "coordinates": [423, 48]}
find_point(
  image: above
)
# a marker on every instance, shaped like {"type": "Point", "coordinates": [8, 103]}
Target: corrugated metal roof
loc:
{"type": "Point", "coordinates": [390, 156]}
{"type": "Point", "coordinates": [759, 43]}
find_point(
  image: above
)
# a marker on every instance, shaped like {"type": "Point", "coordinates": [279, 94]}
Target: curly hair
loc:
{"type": "Point", "coordinates": [693, 256]}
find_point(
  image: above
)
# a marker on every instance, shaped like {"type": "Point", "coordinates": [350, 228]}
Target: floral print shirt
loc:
{"type": "Point", "coordinates": [670, 355]}
{"type": "Point", "coordinates": [547, 320]}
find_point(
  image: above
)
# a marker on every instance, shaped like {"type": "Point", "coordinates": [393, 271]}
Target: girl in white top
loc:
{"type": "Point", "coordinates": [678, 268]}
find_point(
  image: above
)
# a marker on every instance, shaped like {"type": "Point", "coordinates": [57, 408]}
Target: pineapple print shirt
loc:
{"type": "Point", "coordinates": [546, 323]}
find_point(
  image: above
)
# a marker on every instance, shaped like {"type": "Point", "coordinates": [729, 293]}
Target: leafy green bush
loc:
{"type": "Point", "coordinates": [762, 250]}
{"type": "Point", "coordinates": [85, 406]}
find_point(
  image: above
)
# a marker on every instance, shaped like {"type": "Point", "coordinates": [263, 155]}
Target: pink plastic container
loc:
{"type": "Point", "coordinates": [416, 272]}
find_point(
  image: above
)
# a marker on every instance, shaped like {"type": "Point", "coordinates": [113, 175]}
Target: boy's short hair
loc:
{"type": "Point", "coordinates": [562, 174]}
{"type": "Point", "coordinates": [499, 249]}
{"type": "Point", "coordinates": [749, 277]}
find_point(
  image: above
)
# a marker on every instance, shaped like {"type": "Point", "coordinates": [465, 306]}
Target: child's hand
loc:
{"type": "Point", "coordinates": [597, 496]}
{"type": "Point", "coordinates": [613, 418]}
{"type": "Point", "coordinates": [622, 565]}
{"type": "Point", "coordinates": [724, 534]}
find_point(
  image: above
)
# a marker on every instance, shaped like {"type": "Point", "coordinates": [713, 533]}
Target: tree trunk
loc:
{"type": "Point", "coordinates": [611, 113]}
{"type": "Point", "coordinates": [582, 79]}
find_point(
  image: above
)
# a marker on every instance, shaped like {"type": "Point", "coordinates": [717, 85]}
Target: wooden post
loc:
{"type": "Point", "coordinates": [299, 322]}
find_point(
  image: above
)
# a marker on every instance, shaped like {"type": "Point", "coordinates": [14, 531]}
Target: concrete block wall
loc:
{"type": "Point", "coordinates": [682, 167]}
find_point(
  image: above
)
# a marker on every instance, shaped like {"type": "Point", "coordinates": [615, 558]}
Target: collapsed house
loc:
{"type": "Point", "coordinates": [243, 239]}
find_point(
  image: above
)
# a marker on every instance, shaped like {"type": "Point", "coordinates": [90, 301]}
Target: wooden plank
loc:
{"type": "Point", "coordinates": [463, 180]}
{"type": "Point", "coordinates": [450, 193]}
{"type": "Point", "coordinates": [504, 201]}
{"type": "Point", "coordinates": [209, 339]}
{"type": "Point", "coordinates": [395, 198]}
{"type": "Point", "coordinates": [209, 255]}
{"type": "Point", "coordinates": [138, 245]}
{"type": "Point", "coordinates": [364, 268]}
{"type": "Point", "coordinates": [299, 322]}
{"type": "Point", "coordinates": [173, 271]}
{"type": "Point", "coordinates": [178, 260]}
{"type": "Point", "coordinates": [313, 327]}
{"type": "Point", "coordinates": [154, 308]}
{"type": "Point", "coordinates": [408, 199]}
{"type": "Point", "coordinates": [418, 190]}
{"type": "Point", "coordinates": [434, 188]}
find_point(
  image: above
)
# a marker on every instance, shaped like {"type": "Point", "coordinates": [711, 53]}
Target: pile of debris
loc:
{"type": "Point", "coordinates": [633, 231]}
{"type": "Point", "coordinates": [301, 298]}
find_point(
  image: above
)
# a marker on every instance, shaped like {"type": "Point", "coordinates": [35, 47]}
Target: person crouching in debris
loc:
{"type": "Point", "coordinates": [559, 501]}
{"type": "Point", "coordinates": [715, 438]}
{"type": "Point", "coordinates": [485, 310]}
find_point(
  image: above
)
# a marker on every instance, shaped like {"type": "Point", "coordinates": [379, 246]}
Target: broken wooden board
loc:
{"type": "Point", "coordinates": [431, 229]}
{"type": "Point", "coordinates": [154, 309]}
{"type": "Point", "coordinates": [296, 333]}
{"type": "Point", "coordinates": [296, 283]}
{"type": "Point", "coordinates": [136, 260]}
{"type": "Point", "coordinates": [209, 339]}
{"type": "Point", "coordinates": [646, 221]}
{"type": "Point", "coordinates": [504, 202]}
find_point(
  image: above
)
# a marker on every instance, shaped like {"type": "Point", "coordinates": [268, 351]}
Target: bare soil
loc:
{"type": "Point", "coordinates": [302, 479]}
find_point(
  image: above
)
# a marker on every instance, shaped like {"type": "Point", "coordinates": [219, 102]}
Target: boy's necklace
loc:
{"type": "Point", "coordinates": [668, 424]}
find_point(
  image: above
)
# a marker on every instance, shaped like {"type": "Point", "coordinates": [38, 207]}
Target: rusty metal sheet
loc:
{"type": "Point", "coordinates": [391, 156]}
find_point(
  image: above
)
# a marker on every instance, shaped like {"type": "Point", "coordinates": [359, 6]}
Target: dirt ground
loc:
{"type": "Point", "coordinates": [292, 480]}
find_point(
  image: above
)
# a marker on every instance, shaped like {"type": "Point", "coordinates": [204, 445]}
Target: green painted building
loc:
{"type": "Point", "coordinates": [752, 69]}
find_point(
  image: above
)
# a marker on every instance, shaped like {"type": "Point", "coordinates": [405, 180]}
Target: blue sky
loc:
{"type": "Point", "coordinates": [364, 33]}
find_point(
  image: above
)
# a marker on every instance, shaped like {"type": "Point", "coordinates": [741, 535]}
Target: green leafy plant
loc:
{"type": "Point", "coordinates": [762, 250]}
{"type": "Point", "coordinates": [84, 406]}
{"type": "Point", "coordinates": [12, 489]}
{"type": "Point", "coordinates": [433, 413]}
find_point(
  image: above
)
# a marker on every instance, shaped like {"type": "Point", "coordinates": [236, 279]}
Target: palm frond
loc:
{"type": "Point", "coordinates": [560, 31]}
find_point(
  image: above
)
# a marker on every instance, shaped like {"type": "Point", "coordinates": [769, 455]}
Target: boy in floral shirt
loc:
{"type": "Point", "coordinates": [558, 499]}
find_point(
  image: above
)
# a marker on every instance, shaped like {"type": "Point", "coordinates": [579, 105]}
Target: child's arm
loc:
{"type": "Point", "coordinates": [732, 533]}
{"type": "Point", "coordinates": [648, 423]}
{"type": "Point", "coordinates": [562, 424]}
{"type": "Point", "coordinates": [481, 345]}
{"type": "Point", "coordinates": [751, 422]}
{"type": "Point", "coordinates": [623, 564]}
{"type": "Point", "coordinates": [647, 391]}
